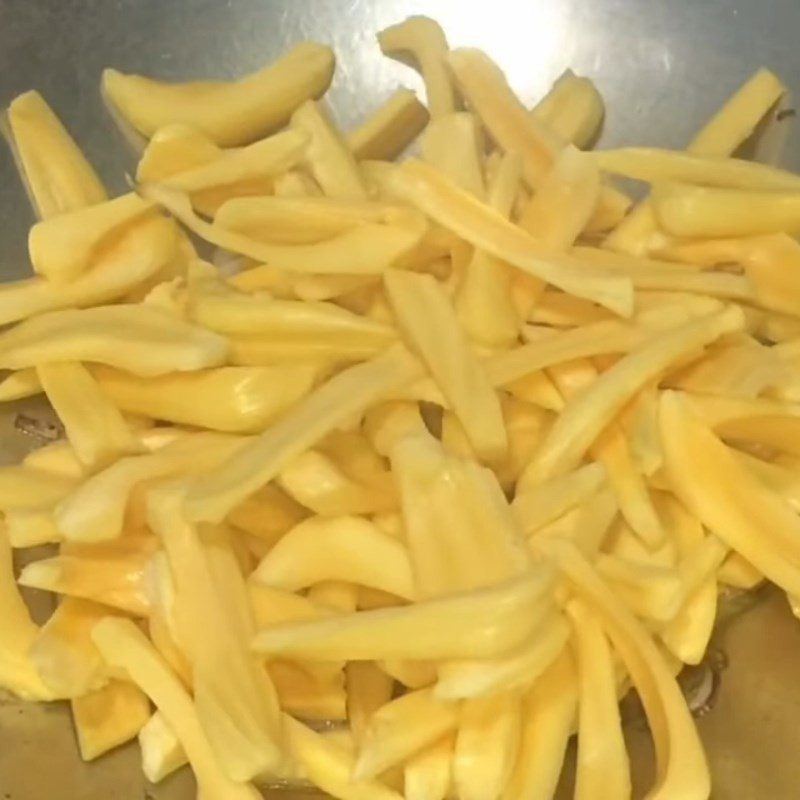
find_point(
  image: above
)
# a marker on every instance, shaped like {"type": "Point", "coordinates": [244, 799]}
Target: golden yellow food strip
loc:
{"type": "Point", "coordinates": [57, 176]}
{"type": "Point", "coordinates": [390, 129]}
{"type": "Point", "coordinates": [231, 114]}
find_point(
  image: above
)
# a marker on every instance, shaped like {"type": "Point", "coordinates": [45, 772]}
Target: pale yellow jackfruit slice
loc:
{"type": "Point", "coordinates": [29, 527]}
{"type": "Point", "coordinates": [487, 746]}
{"type": "Point", "coordinates": [400, 729]}
{"type": "Point", "coordinates": [306, 695]}
{"type": "Point", "coordinates": [63, 247]}
{"type": "Point", "coordinates": [174, 149]}
{"type": "Point", "coordinates": [329, 766]}
{"type": "Point", "coordinates": [592, 410]}
{"type": "Point", "coordinates": [548, 721]}
{"type": "Point", "coordinates": [658, 166]}
{"type": "Point", "coordinates": [452, 143]}
{"type": "Point", "coordinates": [111, 573]}
{"type": "Point", "coordinates": [162, 751]}
{"type": "Point", "coordinates": [96, 509]}
{"type": "Point", "coordinates": [108, 717]}
{"type": "Point", "coordinates": [515, 671]}
{"type": "Point", "coordinates": [94, 426]}
{"type": "Point", "coordinates": [687, 635]}
{"type": "Point", "coordinates": [573, 109]}
{"type": "Point", "coordinates": [134, 258]}
{"type": "Point", "coordinates": [19, 385]}
{"type": "Point", "coordinates": [55, 172]}
{"type": "Point", "coordinates": [484, 300]}
{"type": "Point", "coordinates": [506, 119]}
{"type": "Point", "coordinates": [232, 113]}
{"type": "Point", "coordinates": [259, 161]}
{"type": "Point", "coordinates": [348, 393]}
{"type": "Point", "coordinates": [123, 645]}
{"type": "Point", "coordinates": [234, 697]}
{"type": "Point", "coordinates": [457, 210]}
{"type": "Point", "coordinates": [28, 488]}
{"type": "Point", "coordinates": [478, 624]}
{"type": "Point", "coordinates": [329, 158]}
{"type": "Point", "coordinates": [337, 548]}
{"type": "Point", "coordinates": [141, 339]}
{"type": "Point", "coordinates": [538, 504]}
{"type": "Point", "coordinates": [389, 129]}
{"type": "Point", "coordinates": [428, 319]}
{"type": "Point", "coordinates": [298, 220]}
{"type": "Point", "coordinates": [367, 249]}
{"type": "Point", "coordinates": [229, 399]}
{"type": "Point", "coordinates": [427, 773]}
{"type": "Point", "coordinates": [681, 769]}
{"type": "Point", "coordinates": [423, 40]}
{"type": "Point", "coordinates": [602, 764]}
{"type": "Point", "coordinates": [63, 651]}
{"type": "Point", "coordinates": [720, 136]}
{"type": "Point", "coordinates": [729, 500]}
{"type": "Point", "coordinates": [267, 514]}
{"type": "Point", "coordinates": [564, 201]}
{"type": "Point", "coordinates": [700, 212]}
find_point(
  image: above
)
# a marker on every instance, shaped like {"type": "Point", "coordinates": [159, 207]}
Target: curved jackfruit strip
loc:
{"type": "Point", "coordinates": [95, 510]}
{"type": "Point", "coordinates": [174, 149]}
{"type": "Point", "coordinates": [137, 338]}
{"type": "Point", "coordinates": [337, 548]}
{"type": "Point", "coordinates": [229, 113]}
{"type": "Point", "coordinates": [413, 674]}
{"type": "Point", "coordinates": [566, 198]}
{"type": "Point", "coordinates": [95, 427]}
{"type": "Point", "coordinates": [318, 483]}
{"type": "Point", "coordinates": [298, 220]}
{"type": "Point", "coordinates": [515, 671]}
{"type": "Point", "coordinates": [327, 407]}
{"type": "Point", "coordinates": [592, 410]}
{"type": "Point", "coordinates": [136, 257]}
{"type": "Point", "coordinates": [573, 109]}
{"type": "Point", "coordinates": [427, 773]}
{"type": "Point", "coordinates": [389, 129]}
{"type": "Point", "coordinates": [123, 645]}
{"type": "Point", "coordinates": [63, 651]}
{"type": "Point", "coordinates": [453, 144]}
{"type": "Point", "coordinates": [20, 385]}
{"type": "Point", "coordinates": [62, 248]}
{"type": "Point", "coordinates": [57, 176]}
{"type": "Point", "coordinates": [484, 300]}
{"type": "Point", "coordinates": [108, 717]}
{"type": "Point", "coordinates": [548, 721]}
{"type": "Point", "coordinates": [700, 212]}
{"type": "Point", "coordinates": [267, 515]}
{"type": "Point", "coordinates": [720, 136]}
{"type": "Point", "coordinates": [480, 624]}
{"type": "Point", "coordinates": [602, 763]}
{"type": "Point", "coordinates": [508, 122]}
{"type": "Point", "coordinates": [162, 751]}
{"type": "Point", "coordinates": [31, 527]}
{"type": "Point", "coordinates": [228, 399]}
{"type": "Point", "coordinates": [234, 697]}
{"type": "Point", "coordinates": [476, 223]}
{"type": "Point", "coordinates": [25, 488]}
{"type": "Point", "coordinates": [729, 500]}
{"type": "Point", "coordinates": [111, 573]}
{"type": "Point", "coordinates": [367, 249]}
{"type": "Point", "coordinates": [423, 41]}
{"type": "Point", "coordinates": [487, 746]}
{"type": "Point", "coordinates": [655, 165]}
{"type": "Point", "coordinates": [539, 504]}
{"type": "Point", "coordinates": [428, 319]}
{"type": "Point", "coordinates": [681, 768]}
{"type": "Point", "coordinates": [401, 728]}
{"type": "Point", "coordinates": [329, 766]}
{"type": "Point", "coordinates": [328, 157]}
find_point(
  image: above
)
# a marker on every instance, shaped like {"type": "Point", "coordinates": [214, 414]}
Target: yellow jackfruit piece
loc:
{"type": "Point", "coordinates": [232, 113]}
{"type": "Point", "coordinates": [389, 129]}
{"type": "Point", "coordinates": [427, 773]}
{"type": "Point", "coordinates": [162, 751]}
{"type": "Point", "coordinates": [57, 176]}
{"type": "Point", "coordinates": [453, 144]}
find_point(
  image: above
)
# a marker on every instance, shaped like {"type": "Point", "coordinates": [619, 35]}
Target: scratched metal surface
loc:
{"type": "Point", "coordinates": [662, 65]}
